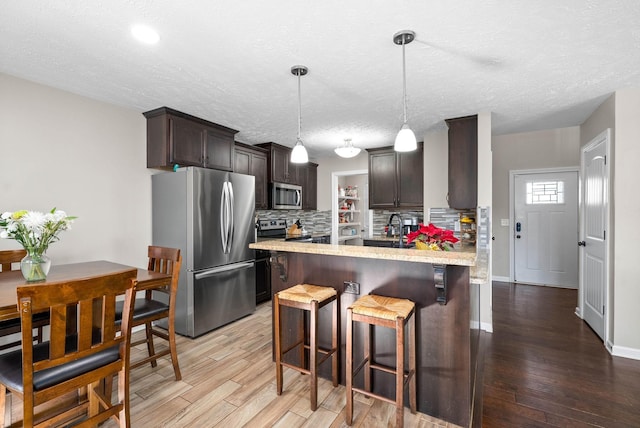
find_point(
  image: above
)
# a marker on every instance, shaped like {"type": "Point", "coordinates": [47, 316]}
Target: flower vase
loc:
{"type": "Point", "coordinates": [424, 246]}
{"type": "Point", "coordinates": [35, 266]}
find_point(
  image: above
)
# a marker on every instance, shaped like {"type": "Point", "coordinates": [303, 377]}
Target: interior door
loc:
{"type": "Point", "coordinates": [545, 229]}
{"type": "Point", "coordinates": [594, 225]}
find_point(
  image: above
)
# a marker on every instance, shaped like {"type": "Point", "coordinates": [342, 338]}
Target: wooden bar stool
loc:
{"type": "Point", "coordinates": [391, 313]}
{"type": "Point", "coordinates": [309, 298]}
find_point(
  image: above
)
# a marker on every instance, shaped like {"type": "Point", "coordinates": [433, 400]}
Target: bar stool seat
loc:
{"type": "Point", "coordinates": [387, 312]}
{"type": "Point", "coordinates": [310, 298]}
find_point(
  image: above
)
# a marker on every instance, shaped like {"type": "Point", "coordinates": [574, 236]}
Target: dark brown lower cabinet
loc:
{"type": "Point", "coordinates": [263, 277]}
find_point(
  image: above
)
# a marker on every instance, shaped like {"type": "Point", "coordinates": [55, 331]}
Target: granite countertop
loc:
{"type": "Point", "coordinates": [464, 258]}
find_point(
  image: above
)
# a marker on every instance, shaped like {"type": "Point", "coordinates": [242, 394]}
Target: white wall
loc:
{"type": "Point", "coordinates": [436, 169]}
{"type": "Point", "coordinates": [626, 317]}
{"type": "Point", "coordinates": [485, 199]}
{"type": "Point", "coordinates": [335, 163]}
{"type": "Point", "coordinates": [527, 150]}
{"type": "Point", "coordinates": [80, 155]}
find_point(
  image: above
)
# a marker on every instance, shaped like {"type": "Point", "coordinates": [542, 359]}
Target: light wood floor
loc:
{"type": "Point", "coordinates": [228, 380]}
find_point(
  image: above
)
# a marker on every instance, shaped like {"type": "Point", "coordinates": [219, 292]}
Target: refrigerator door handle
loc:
{"type": "Point", "coordinates": [226, 268]}
{"type": "Point", "coordinates": [231, 216]}
{"type": "Point", "coordinates": [223, 217]}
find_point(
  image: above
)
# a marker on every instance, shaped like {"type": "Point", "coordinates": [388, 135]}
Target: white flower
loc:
{"type": "Point", "coordinates": [34, 220]}
{"type": "Point", "coordinates": [34, 230]}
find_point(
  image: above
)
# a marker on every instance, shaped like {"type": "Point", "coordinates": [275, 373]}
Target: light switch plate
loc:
{"type": "Point", "coordinates": [504, 222]}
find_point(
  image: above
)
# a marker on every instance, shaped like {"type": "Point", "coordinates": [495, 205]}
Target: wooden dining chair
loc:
{"type": "Point", "coordinates": [67, 363]}
{"type": "Point", "coordinates": [9, 258]}
{"type": "Point", "coordinates": [158, 303]}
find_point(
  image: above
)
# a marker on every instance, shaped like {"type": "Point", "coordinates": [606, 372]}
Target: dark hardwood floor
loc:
{"type": "Point", "coordinates": [545, 367]}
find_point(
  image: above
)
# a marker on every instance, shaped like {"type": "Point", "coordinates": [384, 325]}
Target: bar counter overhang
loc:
{"type": "Point", "coordinates": [447, 340]}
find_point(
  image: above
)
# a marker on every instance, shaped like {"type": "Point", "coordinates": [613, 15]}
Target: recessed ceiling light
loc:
{"type": "Point", "coordinates": [145, 34]}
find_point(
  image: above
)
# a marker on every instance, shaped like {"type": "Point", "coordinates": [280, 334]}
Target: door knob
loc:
{"type": "Point", "coordinates": [582, 244]}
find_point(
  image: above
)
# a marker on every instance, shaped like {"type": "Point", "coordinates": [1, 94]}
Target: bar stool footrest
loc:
{"type": "Point", "coordinates": [373, 395]}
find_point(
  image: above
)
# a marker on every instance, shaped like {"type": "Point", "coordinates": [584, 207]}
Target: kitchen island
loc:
{"type": "Point", "coordinates": [447, 341]}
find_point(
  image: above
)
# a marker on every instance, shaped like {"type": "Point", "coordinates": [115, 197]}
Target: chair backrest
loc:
{"type": "Point", "coordinates": [96, 338]}
{"type": "Point", "coordinates": [8, 257]}
{"type": "Point", "coordinates": [168, 261]}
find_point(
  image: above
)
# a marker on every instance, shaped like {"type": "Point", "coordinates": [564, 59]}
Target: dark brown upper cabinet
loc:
{"type": "Point", "coordinates": [396, 179]}
{"type": "Point", "coordinates": [308, 179]}
{"type": "Point", "coordinates": [174, 137]}
{"type": "Point", "coordinates": [252, 160]}
{"type": "Point", "coordinates": [463, 162]}
{"type": "Point", "coordinates": [280, 170]}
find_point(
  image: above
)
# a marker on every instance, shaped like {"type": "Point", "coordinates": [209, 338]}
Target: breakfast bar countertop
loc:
{"type": "Point", "coordinates": [380, 253]}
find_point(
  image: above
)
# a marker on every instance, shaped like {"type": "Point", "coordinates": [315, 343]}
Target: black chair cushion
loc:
{"type": "Point", "coordinates": [11, 365]}
{"type": "Point", "coordinates": [15, 322]}
{"type": "Point", "coordinates": [143, 308]}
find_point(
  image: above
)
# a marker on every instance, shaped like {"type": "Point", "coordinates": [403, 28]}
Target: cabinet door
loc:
{"type": "Point", "coordinates": [218, 150]}
{"type": "Point", "coordinates": [186, 142]}
{"type": "Point", "coordinates": [279, 165]}
{"type": "Point", "coordinates": [463, 162]}
{"type": "Point", "coordinates": [242, 162]}
{"type": "Point", "coordinates": [382, 180]}
{"type": "Point", "coordinates": [251, 162]}
{"type": "Point", "coordinates": [263, 280]}
{"type": "Point", "coordinates": [308, 177]}
{"type": "Point", "coordinates": [410, 179]}
{"type": "Point", "coordinates": [259, 171]}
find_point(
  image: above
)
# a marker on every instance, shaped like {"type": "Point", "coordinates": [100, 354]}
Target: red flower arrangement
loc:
{"type": "Point", "coordinates": [432, 238]}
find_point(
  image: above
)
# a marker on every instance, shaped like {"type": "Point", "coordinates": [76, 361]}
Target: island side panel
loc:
{"type": "Point", "coordinates": [443, 336]}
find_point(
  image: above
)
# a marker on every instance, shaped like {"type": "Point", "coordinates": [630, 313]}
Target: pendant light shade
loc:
{"type": "Point", "coordinates": [347, 150]}
{"type": "Point", "coordinates": [406, 139]}
{"type": "Point", "coordinates": [299, 152]}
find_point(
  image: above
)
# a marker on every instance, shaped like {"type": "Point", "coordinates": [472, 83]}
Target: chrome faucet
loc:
{"type": "Point", "coordinates": [400, 228]}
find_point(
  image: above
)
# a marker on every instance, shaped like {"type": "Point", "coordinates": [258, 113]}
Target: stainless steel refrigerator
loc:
{"type": "Point", "coordinates": [209, 215]}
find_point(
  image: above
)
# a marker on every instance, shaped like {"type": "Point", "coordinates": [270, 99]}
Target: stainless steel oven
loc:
{"type": "Point", "coordinates": [286, 196]}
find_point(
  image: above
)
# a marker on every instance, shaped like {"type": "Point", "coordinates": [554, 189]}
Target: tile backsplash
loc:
{"type": "Point", "coordinates": [312, 221]}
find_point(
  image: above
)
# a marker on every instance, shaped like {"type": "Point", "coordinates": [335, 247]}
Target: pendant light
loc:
{"type": "Point", "coordinates": [406, 139]}
{"type": "Point", "coordinates": [347, 150]}
{"type": "Point", "coordinates": [299, 153]}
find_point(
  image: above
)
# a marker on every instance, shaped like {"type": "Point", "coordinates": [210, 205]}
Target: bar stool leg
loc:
{"type": "Point", "coordinates": [412, 363]}
{"type": "Point", "coordinates": [335, 343]}
{"type": "Point", "coordinates": [349, 368]}
{"type": "Point", "coordinates": [301, 337]}
{"type": "Point", "coordinates": [399, 371]}
{"type": "Point", "coordinates": [313, 353]}
{"type": "Point", "coordinates": [368, 333]}
{"type": "Point", "coordinates": [278, 339]}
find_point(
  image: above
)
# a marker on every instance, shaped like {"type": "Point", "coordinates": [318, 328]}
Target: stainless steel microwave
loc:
{"type": "Point", "coordinates": [286, 196]}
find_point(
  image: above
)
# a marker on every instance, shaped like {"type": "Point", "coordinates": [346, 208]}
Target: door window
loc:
{"type": "Point", "coordinates": [545, 192]}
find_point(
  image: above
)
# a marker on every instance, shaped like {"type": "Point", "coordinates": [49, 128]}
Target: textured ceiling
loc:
{"type": "Point", "coordinates": [534, 65]}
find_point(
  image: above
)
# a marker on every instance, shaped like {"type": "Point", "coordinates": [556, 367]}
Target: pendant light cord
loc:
{"type": "Point", "coordinates": [404, 83]}
{"type": "Point", "coordinates": [299, 106]}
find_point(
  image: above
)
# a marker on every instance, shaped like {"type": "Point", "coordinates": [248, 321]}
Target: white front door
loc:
{"type": "Point", "coordinates": [594, 225]}
{"type": "Point", "coordinates": [545, 230]}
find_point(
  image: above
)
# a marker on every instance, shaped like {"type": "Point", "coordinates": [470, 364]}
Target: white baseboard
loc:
{"type": "Point", "coordinates": [623, 351]}
{"type": "Point", "coordinates": [486, 326]}
{"type": "Point", "coordinates": [500, 278]}
{"type": "Point", "coordinates": [477, 325]}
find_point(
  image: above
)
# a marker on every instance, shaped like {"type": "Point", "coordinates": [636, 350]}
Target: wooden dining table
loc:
{"type": "Point", "coordinates": [10, 281]}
